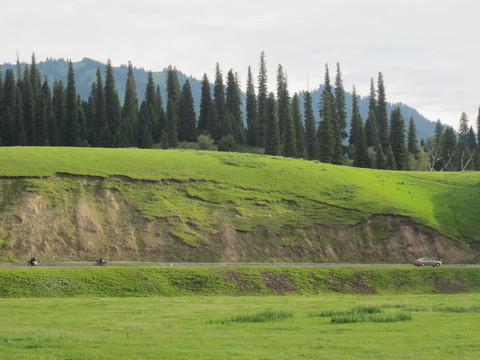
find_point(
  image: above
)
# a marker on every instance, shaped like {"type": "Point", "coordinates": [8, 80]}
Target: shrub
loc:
{"type": "Point", "coordinates": [205, 142]}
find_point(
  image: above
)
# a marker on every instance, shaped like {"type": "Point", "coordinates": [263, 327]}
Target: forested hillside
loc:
{"type": "Point", "coordinates": [330, 124]}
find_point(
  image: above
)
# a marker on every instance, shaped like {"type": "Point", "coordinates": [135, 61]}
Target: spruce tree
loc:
{"type": "Point", "coordinates": [102, 131]}
{"type": "Point", "coordinates": [283, 100]}
{"type": "Point", "coordinates": [205, 101]}
{"type": "Point", "coordinates": [28, 107]}
{"type": "Point", "coordinates": [311, 139]}
{"type": "Point", "coordinates": [213, 127]}
{"type": "Point", "coordinates": [390, 164]}
{"type": "Point", "coordinates": [380, 159]}
{"type": "Point", "coordinates": [412, 140]}
{"type": "Point", "coordinates": [382, 114]}
{"type": "Point", "coordinates": [397, 138]}
{"type": "Point", "coordinates": [299, 130]}
{"type": "Point", "coordinates": [272, 135]}
{"type": "Point", "coordinates": [251, 111]}
{"type": "Point", "coordinates": [147, 115]}
{"type": "Point", "coordinates": [52, 130]}
{"type": "Point", "coordinates": [371, 131]}
{"type": "Point", "coordinates": [72, 127]}
{"type": "Point", "coordinates": [58, 102]}
{"type": "Point", "coordinates": [438, 133]}
{"type": "Point", "coordinates": [41, 136]}
{"type": "Point", "coordinates": [233, 103]}
{"type": "Point", "coordinates": [112, 104]}
{"type": "Point", "coordinates": [187, 118]}
{"type": "Point", "coordinates": [471, 141]}
{"type": "Point", "coordinates": [341, 103]}
{"type": "Point", "coordinates": [463, 127]}
{"type": "Point", "coordinates": [9, 91]}
{"type": "Point", "coordinates": [289, 136]}
{"type": "Point", "coordinates": [219, 99]}
{"type": "Point", "coordinates": [361, 154]}
{"type": "Point", "coordinates": [352, 140]}
{"type": "Point", "coordinates": [372, 100]}
{"type": "Point", "coordinates": [129, 111]}
{"type": "Point", "coordinates": [448, 145]}
{"type": "Point", "coordinates": [172, 121]}
{"type": "Point", "coordinates": [20, 137]}
{"type": "Point", "coordinates": [326, 130]}
{"type": "Point", "coordinates": [262, 101]}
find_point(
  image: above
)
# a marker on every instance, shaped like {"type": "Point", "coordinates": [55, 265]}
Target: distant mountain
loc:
{"type": "Point", "coordinates": [86, 69]}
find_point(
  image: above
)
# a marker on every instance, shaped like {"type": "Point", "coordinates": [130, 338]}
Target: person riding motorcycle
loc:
{"type": "Point", "coordinates": [33, 261]}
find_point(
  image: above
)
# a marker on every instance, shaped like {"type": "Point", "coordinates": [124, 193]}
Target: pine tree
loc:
{"type": "Point", "coordinates": [173, 93]}
{"type": "Point", "coordinates": [205, 101]}
{"type": "Point", "coordinates": [41, 136]}
{"type": "Point", "coordinates": [129, 112]}
{"type": "Point", "coordinates": [251, 110]}
{"type": "Point", "coordinates": [9, 91]}
{"type": "Point", "coordinates": [352, 140]}
{"type": "Point", "coordinates": [233, 103]}
{"type": "Point", "coordinates": [311, 139]}
{"type": "Point", "coordinates": [219, 99]}
{"type": "Point", "coordinates": [28, 107]}
{"type": "Point", "coordinates": [326, 131]}
{"type": "Point", "coordinates": [102, 132]}
{"type": "Point", "coordinates": [341, 103]}
{"type": "Point", "coordinates": [213, 127]}
{"type": "Point", "coordinates": [58, 102]}
{"type": "Point", "coordinates": [412, 140]}
{"type": "Point", "coordinates": [272, 135]}
{"type": "Point", "coordinates": [72, 127]}
{"type": "Point", "coordinates": [397, 138]}
{"type": "Point", "coordinates": [471, 141]}
{"type": "Point", "coordinates": [382, 114]}
{"type": "Point", "coordinates": [172, 121]}
{"type": "Point", "coordinates": [390, 164]}
{"type": "Point", "coordinates": [20, 135]}
{"type": "Point", "coordinates": [361, 154]}
{"type": "Point", "coordinates": [372, 100]}
{"type": "Point", "coordinates": [112, 104]}
{"type": "Point", "coordinates": [463, 127]}
{"type": "Point", "coordinates": [299, 130]}
{"type": "Point", "coordinates": [289, 136]}
{"type": "Point", "coordinates": [283, 100]}
{"type": "Point", "coordinates": [262, 102]}
{"type": "Point", "coordinates": [448, 145]}
{"type": "Point", "coordinates": [35, 77]}
{"type": "Point", "coordinates": [187, 115]}
{"type": "Point", "coordinates": [380, 159]}
{"type": "Point", "coordinates": [147, 115]}
{"type": "Point", "coordinates": [371, 131]}
{"type": "Point", "coordinates": [52, 130]}
{"type": "Point", "coordinates": [438, 132]}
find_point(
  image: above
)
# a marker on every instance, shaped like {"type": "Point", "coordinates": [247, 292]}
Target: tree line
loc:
{"type": "Point", "coordinates": [32, 113]}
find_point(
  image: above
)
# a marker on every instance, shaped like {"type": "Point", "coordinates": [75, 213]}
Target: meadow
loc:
{"type": "Point", "coordinates": [246, 327]}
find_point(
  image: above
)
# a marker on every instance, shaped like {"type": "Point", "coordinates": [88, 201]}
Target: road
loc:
{"type": "Point", "coordinates": [223, 264]}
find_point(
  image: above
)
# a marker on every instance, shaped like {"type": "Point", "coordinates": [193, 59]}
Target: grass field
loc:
{"type": "Point", "coordinates": [260, 327]}
{"type": "Point", "coordinates": [447, 202]}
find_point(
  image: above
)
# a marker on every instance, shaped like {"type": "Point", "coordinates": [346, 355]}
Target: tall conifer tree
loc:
{"type": "Point", "coordinates": [397, 138]}
{"type": "Point", "coordinates": [187, 115]}
{"type": "Point", "coordinates": [112, 104]}
{"type": "Point", "coordinates": [72, 127]}
{"type": "Point", "coordinates": [234, 107]}
{"type": "Point", "coordinates": [102, 133]}
{"type": "Point", "coordinates": [283, 99]}
{"type": "Point", "coordinates": [28, 100]}
{"type": "Point", "coordinates": [289, 137]}
{"type": "Point", "coordinates": [382, 114]}
{"type": "Point", "coordinates": [299, 130]}
{"type": "Point", "coordinates": [412, 141]}
{"type": "Point", "coordinates": [341, 103]}
{"type": "Point", "coordinates": [252, 113]}
{"type": "Point", "coordinates": [311, 139]}
{"type": "Point", "coordinates": [219, 99]}
{"type": "Point", "coordinates": [262, 101]}
{"type": "Point", "coordinates": [205, 101]}
{"type": "Point", "coordinates": [272, 135]}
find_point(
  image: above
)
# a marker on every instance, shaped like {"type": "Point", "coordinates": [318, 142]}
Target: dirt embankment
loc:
{"type": "Point", "coordinates": [93, 221]}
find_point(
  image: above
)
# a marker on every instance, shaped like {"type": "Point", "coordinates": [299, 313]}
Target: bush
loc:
{"type": "Point", "coordinates": [227, 143]}
{"type": "Point", "coordinates": [205, 142]}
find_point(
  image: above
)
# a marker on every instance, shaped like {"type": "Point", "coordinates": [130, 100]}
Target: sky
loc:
{"type": "Point", "coordinates": [427, 50]}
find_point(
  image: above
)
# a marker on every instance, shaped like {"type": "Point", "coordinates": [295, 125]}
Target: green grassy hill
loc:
{"type": "Point", "coordinates": [75, 203]}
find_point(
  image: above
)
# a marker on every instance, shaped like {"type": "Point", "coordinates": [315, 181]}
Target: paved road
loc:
{"type": "Point", "coordinates": [183, 264]}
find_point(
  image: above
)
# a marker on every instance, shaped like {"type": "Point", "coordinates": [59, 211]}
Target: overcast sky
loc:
{"type": "Point", "coordinates": [427, 50]}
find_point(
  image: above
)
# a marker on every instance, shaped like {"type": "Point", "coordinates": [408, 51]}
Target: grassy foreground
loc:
{"type": "Point", "coordinates": [197, 327]}
{"type": "Point", "coordinates": [165, 281]}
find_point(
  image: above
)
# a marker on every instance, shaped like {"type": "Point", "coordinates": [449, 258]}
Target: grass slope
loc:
{"type": "Point", "coordinates": [159, 281]}
{"type": "Point", "coordinates": [447, 202]}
